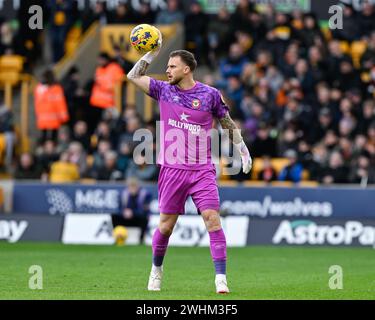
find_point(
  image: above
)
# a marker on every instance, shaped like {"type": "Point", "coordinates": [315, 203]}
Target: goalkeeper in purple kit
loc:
{"type": "Point", "coordinates": [187, 110]}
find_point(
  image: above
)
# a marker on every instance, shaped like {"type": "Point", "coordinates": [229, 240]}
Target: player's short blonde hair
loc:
{"type": "Point", "coordinates": [187, 57]}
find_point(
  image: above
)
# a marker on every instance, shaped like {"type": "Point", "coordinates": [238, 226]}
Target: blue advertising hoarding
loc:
{"type": "Point", "coordinates": [258, 202]}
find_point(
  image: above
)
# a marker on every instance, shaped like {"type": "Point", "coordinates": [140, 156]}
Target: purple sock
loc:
{"type": "Point", "coordinates": [159, 247]}
{"type": "Point", "coordinates": [218, 247]}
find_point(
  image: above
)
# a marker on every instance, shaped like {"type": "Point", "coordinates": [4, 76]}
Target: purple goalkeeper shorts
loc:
{"type": "Point", "coordinates": [175, 185]}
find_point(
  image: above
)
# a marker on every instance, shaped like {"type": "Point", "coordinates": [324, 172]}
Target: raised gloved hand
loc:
{"type": "Point", "coordinates": [247, 162]}
{"type": "Point", "coordinates": [151, 55]}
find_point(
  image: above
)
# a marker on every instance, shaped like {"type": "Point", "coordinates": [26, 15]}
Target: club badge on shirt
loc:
{"type": "Point", "coordinates": [196, 104]}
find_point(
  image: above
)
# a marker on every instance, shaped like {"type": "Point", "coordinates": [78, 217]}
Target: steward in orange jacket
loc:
{"type": "Point", "coordinates": [107, 75]}
{"type": "Point", "coordinates": [50, 104]}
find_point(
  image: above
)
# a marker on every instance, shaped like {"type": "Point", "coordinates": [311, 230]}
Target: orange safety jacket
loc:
{"type": "Point", "coordinates": [50, 106]}
{"type": "Point", "coordinates": [103, 91]}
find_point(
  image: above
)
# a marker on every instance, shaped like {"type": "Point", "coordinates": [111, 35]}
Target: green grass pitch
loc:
{"type": "Point", "coordinates": [110, 272]}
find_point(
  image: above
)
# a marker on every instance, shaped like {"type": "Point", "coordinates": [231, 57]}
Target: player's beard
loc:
{"type": "Point", "coordinates": [175, 80]}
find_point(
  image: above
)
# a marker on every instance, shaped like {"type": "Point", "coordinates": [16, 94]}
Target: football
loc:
{"type": "Point", "coordinates": [144, 38]}
{"type": "Point", "coordinates": [120, 233]}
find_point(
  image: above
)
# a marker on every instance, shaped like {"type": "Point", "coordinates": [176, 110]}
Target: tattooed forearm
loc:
{"type": "Point", "coordinates": [138, 70]}
{"type": "Point", "coordinates": [234, 133]}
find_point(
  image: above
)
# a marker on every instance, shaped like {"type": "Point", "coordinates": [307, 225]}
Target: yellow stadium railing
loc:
{"type": "Point", "coordinates": [26, 84]}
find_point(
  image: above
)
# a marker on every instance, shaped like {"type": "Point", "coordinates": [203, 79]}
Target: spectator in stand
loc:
{"type": "Point", "coordinates": [145, 13]}
{"type": "Point", "coordinates": [264, 144]}
{"type": "Point", "coordinates": [7, 133]}
{"type": "Point", "coordinates": [47, 155]}
{"type": "Point", "coordinates": [109, 170]}
{"type": "Point", "coordinates": [240, 18]}
{"type": "Point", "coordinates": [304, 76]}
{"type": "Point", "coordinates": [99, 14]}
{"type": "Point", "coordinates": [328, 99]}
{"type": "Point", "coordinates": [119, 58]}
{"type": "Point", "coordinates": [124, 157]}
{"type": "Point", "coordinates": [293, 170]}
{"type": "Point", "coordinates": [287, 140]}
{"type": "Point", "coordinates": [74, 94]}
{"type": "Point", "coordinates": [81, 135]}
{"type": "Point", "coordinates": [335, 171]}
{"type": "Point", "coordinates": [367, 117]}
{"type": "Point", "coordinates": [268, 173]}
{"type": "Point", "coordinates": [123, 14]}
{"type": "Point", "coordinates": [335, 57]}
{"type": "Point", "coordinates": [104, 146]}
{"type": "Point", "coordinates": [63, 139]}
{"type": "Point", "coordinates": [108, 74]}
{"type": "Point", "coordinates": [362, 172]}
{"type": "Point", "coordinates": [196, 22]}
{"type": "Point", "coordinates": [283, 30]}
{"type": "Point", "coordinates": [27, 169]}
{"type": "Point", "coordinates": [173, 14]}
{"type": "Point", "coordinates": [103, 132]}
{"type": "Point", "coordinates": [132, 125]}
{"type": "Point", "coordinates": [218, 36]}
{"type": "Point", "coordinates": [367, 18]}
{"type": "Point", "coordinates": [274, 78]}
{"type": "Point", "coordinates": [317, 64]}
{"type": "Point", "coordinates": [289, 61]}
{"type": "Point", "coordinates": [234, 64]}
{"type": "Point", "coordinates": [367, 59]}
{"type": "Point", "coordinates": [234, 92]}
{"type": "Point", "coordinates": [7, 38]}
{"type": "Point", "coordinates": [352, 29]}
{"type": "Point", "coordinates": [135, 204]}
{"type": "Point", "coordinates": [78, 156]}
{"type": "Point", "coordinates": [64, 171]}
{"type": "Point", "coordinates": [141, 170]}
{"type": "Point", "coordinates": [29, 41]}
{"type": "Point", "coordinates": [305, 156]}
{"type": "Point", "coordinates": [348, 76]}
{"type": "Point", "coordinates": [310, 31]}
{"type": "Point", "coordinates": [258, 27]}
{"type": "Point", "coordinates": [330, 140]}
{"type": "Point", "coordinates": [50, 106]}
{"type": "Point", "coordinates": [359, 146]}
{"type": "Point", "coordinates": [324, 124]}
{"type": "Point", "coordinates": [370, 146]}
{"type": "Point", "coordinates": [61, 19]}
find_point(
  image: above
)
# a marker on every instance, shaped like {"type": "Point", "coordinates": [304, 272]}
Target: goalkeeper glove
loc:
{"type": "Point", "coordinates": [247, 162]}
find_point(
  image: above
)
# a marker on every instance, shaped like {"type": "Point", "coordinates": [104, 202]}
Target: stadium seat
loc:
{"type": "Point", "coordinates": [11, 62]}
{"type": "Point", "coordinates": [256, 183]}
{"type": "Point", "coordinates": [305, 175]}
{"type": "Point", "coordinates": [87, 181]}
{"type": "Point", "coordinates": [90, 160]}
{"type": "Point", "coordinates": [279, 163]}
{"type": "Point", "coordinates": [286, 184]}
{"type": "Point", "coordinates": [94, 141]}
{"type": "Point", "coordinates": [2, 148]}
{"type": "Point", "coordinates": [11, 67]}
{"type": "Point", "coordinates": [356, 51]}
{"type": "Point", "coordinates": [308, 183]}
{"type": "Point", "coordinates": [345, 48]}
{"type": "Point", "coordinates": [327, 33]}
{"type": "Point", "coordinates": [257, 167]}
{"type": "Point", "coordinates": [228, 183]}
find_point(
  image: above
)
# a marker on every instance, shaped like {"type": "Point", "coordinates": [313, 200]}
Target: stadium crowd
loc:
{"type": "Point", "coordinates": [297, 90]}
